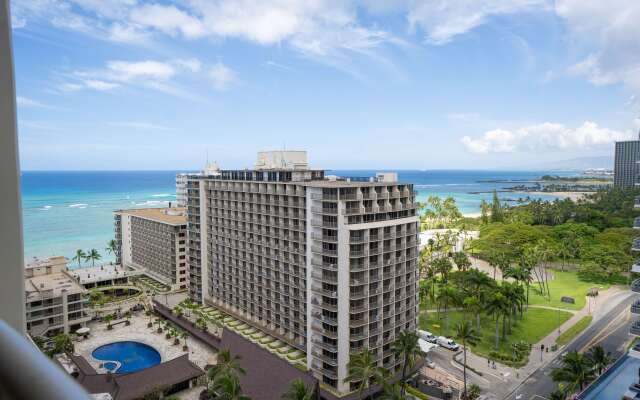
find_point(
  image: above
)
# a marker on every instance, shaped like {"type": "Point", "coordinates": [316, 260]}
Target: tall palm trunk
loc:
{"type": "Point", "coordinates": [497, 332]}
{"type": "Point", "coordinates": [504, 326]}
{"type": "Point", "coordinates": [478, 321]}
{"type": "Point", "coordinates": [404, 374]}
{"type": "Point", "coordinates": [464, 369]}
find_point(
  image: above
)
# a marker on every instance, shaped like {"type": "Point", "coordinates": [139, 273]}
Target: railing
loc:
{"type": "Point", "coordinates": [635, 328]}
{"type": "Point", "coordinates": [25, 373]}
{"type": "Point", "coordinates": [635, 286]}
{"type": "Point", "coordinates": [635, 307]}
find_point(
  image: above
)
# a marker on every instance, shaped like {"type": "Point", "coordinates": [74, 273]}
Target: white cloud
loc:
{"type": "Point", "coordinates": [168, 19]}
{"type": "Point", "coordinates": [148, 69]}
{"type": "Point", "coordinates": [17, 23]}
{"type": "Point", "coordinates": [543, 137]}
{"type": "Point", "coordinates": [100, 85]}
{"type": "Point", "coordinates": [27, 102]}
{"type": "Point", "coordinates": [442, 20]}
{"type": "Point", "coordinates": [608, 34]}
{"type": "Point", "coordinates": [192, 64]}
{"type": "Point", "coordinates": [221, 76]}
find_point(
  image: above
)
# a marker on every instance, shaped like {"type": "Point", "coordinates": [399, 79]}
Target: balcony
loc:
{"type": "Point", "coordinates": [636, 203]}
{"type": "Point", "coordinates": [353, 210]}
{"type": "Point", "coordinates": [636, 245]}
{"type": "Point", "coordinates": [635, 307]}
{"type": "Point", "coordinates": [636, 267]}
{"type": "Point", "coordinates": [635, 286]}
{"type": "Point", "coordinates": [636, 223]}
{"type": "Point", "coordinates": [324, 345]}
{"type": "Point", "coordinates": [324, 358]}
{"type": "Point", "coordinates": [635, 328]}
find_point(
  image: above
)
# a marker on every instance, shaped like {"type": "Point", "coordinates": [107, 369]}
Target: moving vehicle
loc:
{"type": "Point", "coordinates": [447, 343]}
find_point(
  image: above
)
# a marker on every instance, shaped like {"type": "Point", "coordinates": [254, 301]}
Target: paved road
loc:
{"type": "Point", "coordinates": [611, 331]}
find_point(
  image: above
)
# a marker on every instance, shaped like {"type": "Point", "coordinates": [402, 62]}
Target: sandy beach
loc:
{"type": "Point", "coordinates": [571, 195]}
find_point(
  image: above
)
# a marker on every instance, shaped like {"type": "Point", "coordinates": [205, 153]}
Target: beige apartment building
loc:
{"type": "Point", "coordinates": [154, 240]}
{"type": "Point", "coordinates": [327, 264]}
{"type": "Point", "coordinates": [55, 302]}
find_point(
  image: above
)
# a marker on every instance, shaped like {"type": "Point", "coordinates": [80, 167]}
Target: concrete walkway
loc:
{"type": "Point", "coordinates": [508, 377]}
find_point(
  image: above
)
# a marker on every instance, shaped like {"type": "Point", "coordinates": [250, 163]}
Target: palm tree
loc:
{"type": "Point", "coordinates": [226, 364]}
{"type": "Point", "coordinates": [467, 335]}
{"type": "Point", "coordinates": [62, 343]}
{"type": "Point", "coordinates": [447, 296]}
{"type": "Point", "coordinates": [298, 391]}
{"type": "Point", "coordinates": [93, 255]}
{"type": "Point", "coordinates": [227, 387]}
{"type": "Point", "coordinates": [443, 266]}
{"type": "Point", "coordinates": [80, 256]}
{"type": "Point", "coordinates": [557, 395]}
{"type": "Point", "coordinates": [461, 260]}
{"type": "Point", "coordinates": [112, 247]}
{"type": "Point", "coordinates": [108, 318]}
{"type": "Point", "coordinates": [184, 335]}
{"type": "Point", "coordinates": [576, 371]}
{"type": "Point", "coordinates": [392, 392]}
{"type": "Point", "coordinates": [406, 347]}
{"type": "Point", "coordinates": [363, 368]}
{"type": "Point", "coordinates": [599, 357]}
{"type": "Point", "coordinates": [474, 392]}
{"type": "Point", "coordinates": [495, 306]}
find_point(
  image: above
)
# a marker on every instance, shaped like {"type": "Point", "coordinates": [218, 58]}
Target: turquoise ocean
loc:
{"type": "Point", "coordinates": [68, 210]}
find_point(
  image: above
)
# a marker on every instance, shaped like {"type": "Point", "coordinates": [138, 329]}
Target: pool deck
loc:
{"type": "Point", "coordinates": [199, 353]}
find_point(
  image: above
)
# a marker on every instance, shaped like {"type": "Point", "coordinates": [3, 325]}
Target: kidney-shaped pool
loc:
{"type": "Point", "coordinates": [124, 357]}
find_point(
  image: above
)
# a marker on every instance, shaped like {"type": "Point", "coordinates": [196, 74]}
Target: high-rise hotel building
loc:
{"type": "Point", "coordinates": [626, 168]}
{"type": "Point", "coordinates": [154, 240]}
{"type": "Point", "coordinates": [328, 265]}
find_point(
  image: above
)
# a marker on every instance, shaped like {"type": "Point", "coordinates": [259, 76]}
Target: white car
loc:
{"type": "Point", "coordinates": [447, 343]}
{"type": "Point", "coordinates": [428, 336]}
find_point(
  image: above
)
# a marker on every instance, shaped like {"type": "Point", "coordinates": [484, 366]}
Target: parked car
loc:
{"type": "Point", "coordinates": [447, 343]}
{"type": "Point", "coordinates": [428, 336]}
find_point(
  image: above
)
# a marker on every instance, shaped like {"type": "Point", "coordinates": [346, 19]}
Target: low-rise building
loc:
{"type": "Point", "coordinates": [105, 275]}
{"type": "Point", "coordinates": [55, 302]}
{"type": "Point", "coordinates": [154, 240]}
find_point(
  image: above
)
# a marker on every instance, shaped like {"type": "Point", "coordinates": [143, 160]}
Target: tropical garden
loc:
{"type": "Point", "coordinates": [532, 264]}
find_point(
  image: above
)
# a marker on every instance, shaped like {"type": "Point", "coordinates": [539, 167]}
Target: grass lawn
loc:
{"type": "Point", "coordinates": [537, 324]}
{"type": "Point", "coordinates": [572, 332]}
{"type": "Point", "coordinates": [564, 284]}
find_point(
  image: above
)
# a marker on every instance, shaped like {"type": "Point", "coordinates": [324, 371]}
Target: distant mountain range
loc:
{"type": "Point", "coordinates": [573, 164]}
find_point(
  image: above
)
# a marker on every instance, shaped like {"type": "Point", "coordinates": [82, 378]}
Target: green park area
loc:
{"type": "Point", "coordinates": [533, 327]}
{"type": "Point", "coordinates": [564, 284]}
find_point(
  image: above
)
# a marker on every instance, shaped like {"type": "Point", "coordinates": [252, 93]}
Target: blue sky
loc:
{"type": "Point", "coordinates": [131, 84]}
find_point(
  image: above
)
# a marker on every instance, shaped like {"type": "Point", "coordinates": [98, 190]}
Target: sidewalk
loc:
{"type": "Point", "coordinates": [512, 376]}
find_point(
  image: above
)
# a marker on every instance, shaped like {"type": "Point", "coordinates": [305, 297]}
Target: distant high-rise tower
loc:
{"type": "Point", "coordinates": [626, 166]}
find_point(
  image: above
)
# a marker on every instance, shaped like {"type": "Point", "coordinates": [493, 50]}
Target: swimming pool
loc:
{"type": "Point", "coordinates": [124, 357]}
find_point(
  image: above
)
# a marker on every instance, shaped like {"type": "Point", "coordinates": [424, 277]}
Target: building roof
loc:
{"type": "Point", "coordinates": [165, 215]}
{"type": "Point", "coordinates": [353, 183]}
{"type": "Point", "coordinates": [267, 376]}
{"type": "Point", "coordinates": [136, 385]}
{"type": "Point", "coordinates": [102, 273]}
{"type": "Point", "coordinates": [50, 285]}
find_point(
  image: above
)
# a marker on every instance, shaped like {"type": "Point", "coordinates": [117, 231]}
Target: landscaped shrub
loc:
{"type": "Point", "coordinates": [415, 392]}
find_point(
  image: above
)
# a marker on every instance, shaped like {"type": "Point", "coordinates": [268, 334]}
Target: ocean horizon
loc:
{"type": "Point", "coordinates": [68, 210]}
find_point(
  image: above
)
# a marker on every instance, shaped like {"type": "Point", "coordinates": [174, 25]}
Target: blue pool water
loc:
{"type": "Point", "coordinates": [133, 356]}
{"type": "Point", "coordinates": [614, 383]}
